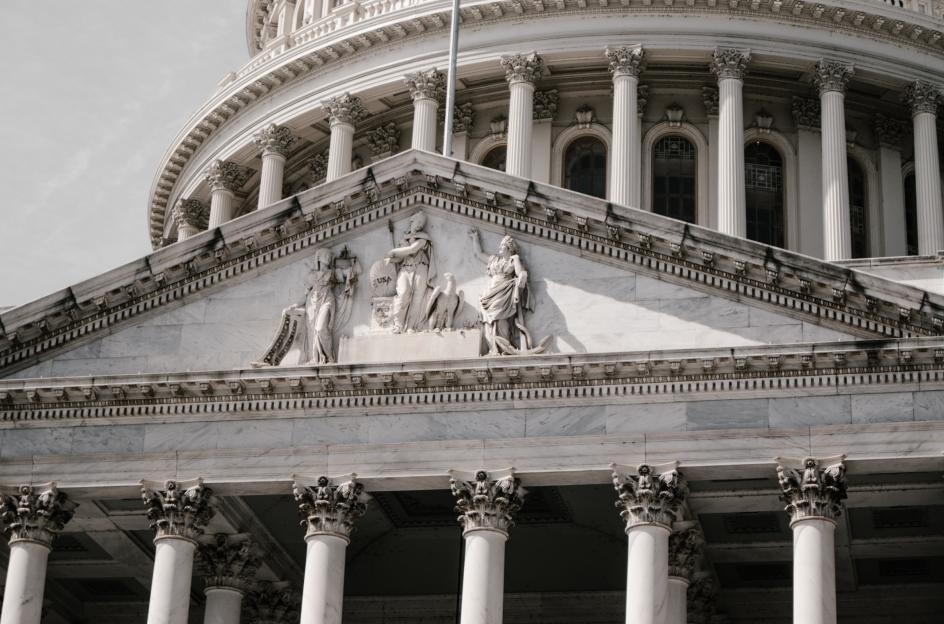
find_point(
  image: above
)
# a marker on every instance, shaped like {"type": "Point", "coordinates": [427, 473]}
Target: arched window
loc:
{"type": "Point", "coordinates": [495, 158]}
{"type": "Point", "coordinates": [585, 166]}
{"type": "Point", "coordinates": [858, 211]}
{"type": "Point", "coordinates": [911, 215]}
{"type": "Point", "coordinates": [673, 178]}
{"type": "Point", "coordinates": [763, 181]}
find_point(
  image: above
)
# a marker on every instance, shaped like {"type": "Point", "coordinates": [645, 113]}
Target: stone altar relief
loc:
{"type": "Point", "coordinates": [584, 306]}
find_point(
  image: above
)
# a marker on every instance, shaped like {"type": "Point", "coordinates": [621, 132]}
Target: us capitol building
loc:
{"type": "Point", "coordinates": [661, 342]}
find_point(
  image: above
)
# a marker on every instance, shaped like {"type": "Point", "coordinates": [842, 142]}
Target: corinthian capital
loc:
{"type": "Point", "coordinates": [685, 545]}
{"type": "Point", "coordinates": [889, 130]}
{"type": "Point", "coordinates": [626, 60]}
{"type": "Point", "coordinates": [344, 108]}
{"type": "Point", "coordinates": [330, 508]}
{"type": "Point", "coordinates": [463, 117]}
{"type": "Point", "coordinates": [832, 76]}
{"type": "Point", "coordinates": [228, 561]}
{"type": "Point", "coordinates": [523, 67]}
{"type": "Point", "coordinates": [649, 495]}
{"type": "Point", "coordinates": [274, 139]}
{"type": "Point", "coordinates": [35, 513]}
{"type": "Point", "coordinates": [177, 508]}
{"type": "Point", "coordinates": [923, 97]}
{"type": "Point", "coordinates": [273, 603]}
{"type": "Point", "coordinates": [429, 84]}
{"type": "Point", "coordinates": [806, 112]}
{"type": "Point", "coordinates": [813, 492]}
{"type": "Point", "coordinates": [487, 502]}
{"type": "Point", "coordinates": [191, 212]}
{"type": "Point", "coordinates": [226, 175]}
{"type": "Point", "coordinates": [730, 63]}
{"type": "Point", "coordinates": [545, 104]}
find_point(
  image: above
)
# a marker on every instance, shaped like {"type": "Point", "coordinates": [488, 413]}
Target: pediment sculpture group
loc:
{"type": "Point", "coordinates": [407, 297]}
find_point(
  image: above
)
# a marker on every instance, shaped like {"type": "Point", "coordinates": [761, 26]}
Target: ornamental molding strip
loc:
{"type": "Point", "coordinates": [329, 506]}
{"type": "Point", "coordinates": [649, 495]}
{"type": "Point", "coordinates": [487, 501]}
{"type": "Point", "coordinates": [813, 491]}
{"type": "Point", "coordinates": [269, 71]}
{"type": "Point", "coordinates": [229, 561]}
{"type": "Point", "coordinates": [813, 290]}
{"type": "Point", "coordinates": [177, 509]}
{"type": "Point", "coordinates": [35, 513]}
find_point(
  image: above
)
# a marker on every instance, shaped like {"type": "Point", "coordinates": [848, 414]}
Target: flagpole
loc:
{"type": "Point", "coordinates": [451, 80]}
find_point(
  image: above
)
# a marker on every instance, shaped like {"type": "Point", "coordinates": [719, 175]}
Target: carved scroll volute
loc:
{"type": "Point", "coordinates": [35, 513]}
{"type": "Point", "coordinates": [487, 501]}
{"type": "Point", "coordinates": [330, 506]}
{"type": "Point", "coordinates": [649, 494]}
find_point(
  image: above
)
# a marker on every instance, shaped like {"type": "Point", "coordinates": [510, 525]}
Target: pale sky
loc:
{"type": "Point", "coordinates": [93, 93]}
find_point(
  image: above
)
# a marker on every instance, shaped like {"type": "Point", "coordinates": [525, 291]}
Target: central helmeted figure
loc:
{"type": "Point", "coordinates": [415, 276]}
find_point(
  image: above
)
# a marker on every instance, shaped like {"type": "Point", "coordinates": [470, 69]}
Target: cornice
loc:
{"type": "Point", "coordinates": [814, 290]}
{"type": "Point", "coordinates": [334, 42]}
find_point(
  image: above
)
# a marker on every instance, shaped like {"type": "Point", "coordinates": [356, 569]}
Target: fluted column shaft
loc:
{"type": "Point", "coordinates": [832, 79]}
{"type": "Point", "coordinates": [170, 583]}
{"type": "Point", "coordinates": [424, 123]}
{"type": "Point", "coordinates": [340, 149]}
{"type": "Point", "coordinates": [521, 71]}
{"type": "Point", "coordinates": [924, 98]}
{"type": "Point", "coordinates": [221, 206]}
{"type": "Point", "coordinates": [26, 582]}
{"type": "Point", "coordinates": [729, 65]}
{"type": "Point", "coordinates": [271, 178]}
{"type": "Point", "coordinates": [225, 178]}
{"type": "Point", "coordinates": [625, 163]}
{"type": "Point", "coordinates": [223, 605]}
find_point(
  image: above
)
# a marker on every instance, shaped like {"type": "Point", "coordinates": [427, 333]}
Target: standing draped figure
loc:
{"type": "Point", "coordinates": [415, 276]}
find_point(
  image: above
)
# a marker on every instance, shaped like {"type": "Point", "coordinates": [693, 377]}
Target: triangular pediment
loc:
{"type": "Point", "coordinates": [602, 279]}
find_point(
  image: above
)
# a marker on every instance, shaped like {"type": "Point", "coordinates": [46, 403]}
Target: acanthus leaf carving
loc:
{"type": "Point", "coordinates": [345, 108]}
{"type": "Point", "coordinates": [36, 513]}
{"type": "Point", "coordinates": [730, 63]}
{"type": "Point", "coordinates": [384, 140]}
{"type": "Point", "coordinates": [330, 508]}
{"type": "Point", "coordinates": [806, 112]}
{"type": "Point", "coordinates": [813, 492]}
{"type": "Point", "coordinates": [191, 213]}
{"type": "Point", "coordinates": [177, 508]}
{"type": "Point", "coordinates": [648, 495]}
{"type": "Point", "coordinates": [318, 167]}
{"type": "Point", "coordinates": [709, 95]}
{"type": "Point", "coordinates": [626, 60]}
{"type": "Point", "coordinates": [228, 561]}
{"type": "Point", "coordinates": [227, 175]}
{"type": "Point", "coordinates": [272, 603]}
{"type": "Point", "coordinates": [274, 139]}
{"type": "Point", "coordinates": [487, 501]}
{"type": "Point", "coordinates": [429, 84]}
{"type": "Point", "coordinates": [544, 105]}
{"type": "Point", "coordinates": [523, 67]}
{"type": "Point", "coordinates": [923, 97]}
{"type": "Point", "coordinates": [463, 117]}
{"type": "Point", "coordinates": [889, 130]}
{"type": "Point", "coordinates": [832, 76]}
{"type": "Point", "coordinates": [685, 544]}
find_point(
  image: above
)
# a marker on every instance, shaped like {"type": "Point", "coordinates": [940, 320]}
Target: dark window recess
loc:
{"type": "Point", "coordinates": [751, 523]}
{"type": "Point", "coordinates": [763, 182]}
{"type": "Point", "coordinates": [673, 178]}
{"type": "Point", "coordinates": [903, 568]}
{"type": "Point", "coordinates": [911, 214]}
{"type": "Point", "coordinates": [858, 211]}
{"type": "Point", "coordinates": [899, 518]}
{"type": "Point", "coordinates": [495, 158]}
{"type": "Point", "coordinates": [585, 166]}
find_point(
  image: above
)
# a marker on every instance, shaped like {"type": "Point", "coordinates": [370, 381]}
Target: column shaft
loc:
{"type": "Point", "coordinates": [814, 571]}
{"type": "Point", "coordinates": [520, 122]}
{"type": "Point", "coordinates": [624, 187]}
{"type": "Point", "coordinates": [647, 574]}
{"type": "Point", "coordinates": [271, 178]}
{"type": "Point", "coordinates": [677, 601]}
{"type": "Point", "coordinates": [25, 584]}
{"type": "Point", "coordinates": [928, 181]}
{"type": "Point", "coordinates": [221, 207]}
{"type": "Point", "coordinates": [424, 123]}
{"type": "Point", "coordinates": [340, 149]}
{"type": "Point", "coordinates": [732, 212]}
{"type": "Point", "coordinates": [837, 237]}
{"type": "Point", "coordinates": [483, 577]}
{"type": "Point", "coordinates": [170, 583]}
{"type": "Point", "coordinates": [323, 592]}
{"type": "Point", "coordinates": [223, 605]}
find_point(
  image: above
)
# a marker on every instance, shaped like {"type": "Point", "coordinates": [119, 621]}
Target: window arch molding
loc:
{"type": "Point", "coordinates": [568, 136]}
{"type": "Point", "coordinates": [483, 147]}
{"type": "Point", "coordinates": [694, 135]}
{"type": "Point", "coordinates": [790, 188]}
{"type": "Point", "coordinates": [873, 196]}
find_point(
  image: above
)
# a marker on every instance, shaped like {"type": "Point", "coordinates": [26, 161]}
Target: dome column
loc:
{"type": "Point", "coordinates": [344, 111]}
{"type": "Point", "coordinates": [229, 564]}
{"type": "Point", "coordinates": [31, 519]}
{"type": "Point", "coordinates": [521, 71]}
{"type": "Point", "coordinates": [813, 498]}
{"type": "Point", "coordinates": [426, 89]}
{"type": "Point", "coordinates": [331, 510]}
{"type": "Point", "coordinates": [486, 507]}
{"type": "Point", "coordinates": [650, 500]}
{"type": "Point", "coordinates": [626, 63]}
{"type": "Point", "coordinates": [191, 216]}
{"type": "Point", "coordinates": [225, 178]}
{"type": "Point", "coordinates": [924, 97]}
{"type": "Point", "coordinates": [685, 544]}
{"type": "Point", "coordinates": [832, 78]}
{"type": "Point", "coordinates": [178, 511]}
{"type": "Point", "coordinates": [275, 142]}
{"type": "Point", "coordinates": [729, 66]}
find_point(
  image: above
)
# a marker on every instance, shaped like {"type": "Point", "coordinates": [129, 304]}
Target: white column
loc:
{"type": "Point", "coordinates": [814, 501]}
{"type": "Point", "coordinates": [650, 498]}
{"type": "Point", "coordinates": [178, 510]}
{"type": "Point", "coordinates": [191, 216]}
{"type": "Point", "coordinates": [275, 142]}
{"type": "Point", "coordinates": [729, 65]}
{"type": "Point", "coordinates": [544, 107]}
{"type": "Point", "coordinates": [924, 98]}
{"type": "Point", "coordinates": [223, 605]}
{"type": "Point", "coordinates": [806, 117]}
{"type": "Point", "coordinates": [344, 111]}
{"type": "Point", "coordinates": [463, 119]}
{"type": "Point", "coordinates": [626, 63]}
{"type": "Point", "coordinates": [889, 131]}
{"type": "Point", "coordinates": [677, 600]}
{"type": "Point", "coordinates": [229, 564]}
{"type": "Point", "coordinates": [832, 78]}
{"type": "Point", "coordinates": [486, 504]}
{"type": "Point", "coordinates": [40, 512]}
{"type": "Point", "coordinates": [685, 544]}
{"type": "Point", "coordinates": [331, 511]}
{"type": "Point", "coordinates": [225, 178]}
{"type": "Point", "coordinates": [710, 98]}
{"type": "Point", "coordinates": [521, 71]}
{"type": "Point", "coordinates": [426, 89]}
